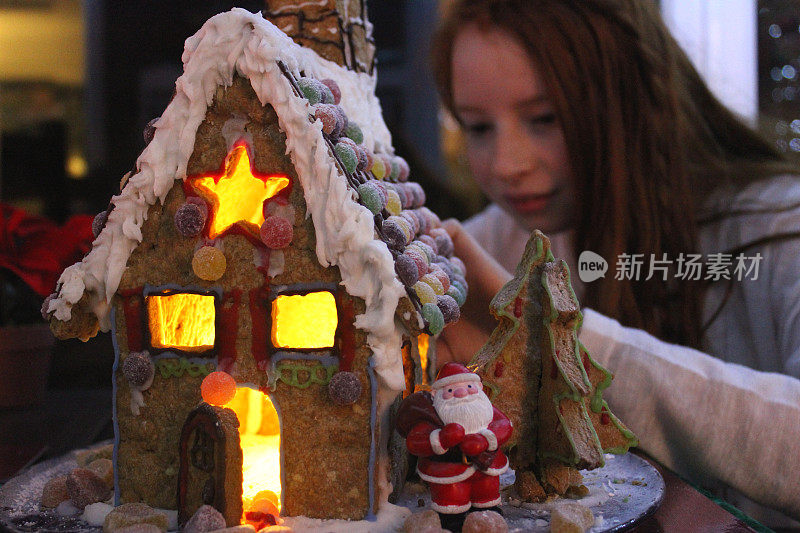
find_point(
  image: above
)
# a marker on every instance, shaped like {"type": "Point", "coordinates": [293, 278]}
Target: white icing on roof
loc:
{"type": "Point", "coordinates": [245, 43]}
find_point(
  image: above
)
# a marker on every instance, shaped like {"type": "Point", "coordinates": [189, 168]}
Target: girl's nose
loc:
{"type": "Point", "coordinates": [460, 392]}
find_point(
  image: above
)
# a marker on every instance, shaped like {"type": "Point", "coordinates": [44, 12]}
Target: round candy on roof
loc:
{"type": "Point", "coordinates": [418, 256]}
{"type": "Point", "coordinates": [395, 173]}
{"type": "Point", "coordinates": [424, 292]}
{"type": "Point", "coordinates": [457, 295]}
{"type": "Point", "coordinates": [371, 197]}
{"type": "Point", "coordinates": [209, 263]}
{"type": "Point", "coordinates": [347, 155]}
{"type": "Point", "coordinates": [445, 265]}
{"type": "Point", "coordinates": [412, 219]}
{"type": "Point", "coordinates": [99, 222]}
{"type": "Point", "coordinates": [434, 282]}
{"type": "Point", "coordinates": [353, 131]}
{"type": "Point", "coordinates": [442, 276]}
{"type": "Point", "coordinates": [378, 169]}
{"type": "Point", "coordinates": [328, 115]}
{"type": "Point", "coordinates": [444, 244]}
{"type": "Point", "coordinates": [429, 251]}
{"type": "Point", "coordinates": [363, 159]}
{"type": "Point", "coordinates": [405, 170]}
{"type": "Point", "coordinates": [433, 317]}
{"type": "Point", "coordinates": [393, 204]}
{"type": "Point", "coordinates": [333, 87]}
{"type": "Point", "coordinates": [449, 308]}
{"type": "Point", "coordinates": [312, 90]}
{"type": "Point", "coordinates": [394, 234]}
{"type": "Point", "coordinates": [417, 193]}
{"type": "Point", "coordinates": [406, 269]}
{"type": "Point", "coordinates": [458, 266]}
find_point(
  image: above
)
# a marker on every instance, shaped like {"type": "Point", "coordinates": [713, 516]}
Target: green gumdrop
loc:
{"type": "Point", "coordinates": [433, 317]}
{"type": "Point", "coordinates": [353, 131]}
{"type": "Point", "coordinates": [347, 156]}
{"type": "Point", "coordinates": [310, 89]}
{"type": "Point", "coordinates": [457, 295]}
{"type": "Point", "coordinates": [370, 197]}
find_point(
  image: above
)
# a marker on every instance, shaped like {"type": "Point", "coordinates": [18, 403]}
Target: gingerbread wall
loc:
{"type": "Point", "coordinates": [326, 448]}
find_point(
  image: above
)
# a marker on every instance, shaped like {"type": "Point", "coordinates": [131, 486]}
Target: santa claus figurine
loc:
{"type": "Point", "coordinates": [457, 433]}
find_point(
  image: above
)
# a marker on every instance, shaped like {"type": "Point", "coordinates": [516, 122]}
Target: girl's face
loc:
{"type": "Point", "coordinates": [515, 144]}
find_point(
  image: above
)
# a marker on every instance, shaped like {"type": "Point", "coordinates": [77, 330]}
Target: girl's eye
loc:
{"type": "Point", "coordinates": [478, 129]}
{"type": "Point", "coordinates": [469, 386]}
{"type": "Point", "coordinates": [449, 390]}
{"type": "Point", "coordinates": [542, 119]}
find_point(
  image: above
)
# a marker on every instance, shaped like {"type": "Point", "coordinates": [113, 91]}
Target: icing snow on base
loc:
{"type": "Point", "coordinates": [245, 43]}
{"type": "Point", "coordinates": [389, 518]}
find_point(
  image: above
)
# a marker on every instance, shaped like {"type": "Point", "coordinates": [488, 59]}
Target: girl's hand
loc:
{"type": "Point", "coordinates": [485, 277]}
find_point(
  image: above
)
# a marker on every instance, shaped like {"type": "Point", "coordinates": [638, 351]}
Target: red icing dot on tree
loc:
{"type": "Point", "coordinates": [277, 232]}
{"type": "Point", "coordinates": [498, 369]}
{"type": "Point", "coordinates": [518, 307]}
{"type": "Point", "coordinates": [218, 388]}
{"type": "Point", "coordinates": [605, 419]}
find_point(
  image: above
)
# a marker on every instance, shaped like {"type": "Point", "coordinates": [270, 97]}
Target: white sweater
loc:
{"type": "Point", "coordinates": [729, 421]}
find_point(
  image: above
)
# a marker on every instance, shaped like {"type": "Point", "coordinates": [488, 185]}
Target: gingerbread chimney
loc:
{"type": "Point", "coordinates": [337, 30]}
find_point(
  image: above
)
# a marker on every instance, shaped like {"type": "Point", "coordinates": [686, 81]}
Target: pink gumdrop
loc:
{"type": "Point", "coordinates": [276, 232]}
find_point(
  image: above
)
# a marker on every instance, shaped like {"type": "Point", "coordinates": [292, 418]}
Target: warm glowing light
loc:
{"type": "Point", "coordinates": [183, 321]}
{"type": "Point", "coordinates": [259, 436]}
{"type": "Point", "coordinates": [237, 195]}
{"type": "Point", "coordinates": [304, 321]}
{"type": "Point", "coordinates": [422, 345]}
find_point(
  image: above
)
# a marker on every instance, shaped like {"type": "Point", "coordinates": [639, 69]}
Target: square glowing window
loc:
{"type": "Point", "coordinates": [181, 321]}
{"type": "Point", "coordinates": [304, 321]}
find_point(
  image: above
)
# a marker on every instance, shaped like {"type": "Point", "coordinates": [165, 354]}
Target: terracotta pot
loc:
{"type": "Point", "coordinates": [24, 364]}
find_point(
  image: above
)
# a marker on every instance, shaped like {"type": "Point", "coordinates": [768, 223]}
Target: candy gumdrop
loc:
{"type": "Point", "coordinates": [406, 269]}
{"type": "Point", "coordinates": [424, 293]}
{"type": "Point", "coordinates": [328, 115]}
{"type": "Point", "coordinates": [394, 234]}
{"type": "Point", "coordinates": [445, 265]}
{"type": "Point", "coordinates": [430, 216]}
{"type": "Point", "coordinates": [218, 388]}
{"type": "Point", "coordinates": [412, 219]}
{"type": "Point", "coordinates": [347, 155]}
{"type": "Point", "coordinates": [378, 169]}
{"type": "Point", "coordinates": [276, 232]}
{"type": "Point", "coordinates": [353, 131]}
{"type": "Point", "coordinates": [344, 388]}
{"type": "Point", "coordinates": [457, 295]}
{"type": "Point", "coordinates": [434, 283]}
{"type": "Point", "coordinates": [458, 266]}
{"type": "Point", "coordinates": [205, 519]}
{"type": "Point", "coordinates": [404, 226]}
{"type": "Point", "coordinates": [85, 487]}
{"type": "Point", "coordinates": [150, 130]}
{"type": "Point", "coordinates": [393, 204]}
{"type": "Point", "coordinates": [341, 122]}
{"type": "Point", "coordinates": [433, 317]}
{"type": "Point", "coordinates": [139, 370]}
{"type": "Point", "coordinates": [99, 222]}
{"type": "Point", "coordinates": [371, 197]}
{"type": "Point", "coordinates": [444, 243]}
{"type": "Point", "coordinates": [485, 521]}
{"type": "Point", "coordinates": [442, 276]}
{"type": "Point", "coordinates": [311, 89]}
{"type": "Point", "coordinates": [417, 193]}
{"type": "Point", "coordinates": [190, 219]}
{"type": "Point", "coordinates": [395, 166]}
{"type": "Point", "coordinates": [333, 87]}
{"type": "Point", "coordinates": [405, 170]}
{"type": "Point", "coordinates": [209, 263]}
{"type": "Point", "coordinates": [449, 308]}
{"type": "Point", "coordinates": [423, 245]}
{"type": "Point", "coordinates": [418, 256]}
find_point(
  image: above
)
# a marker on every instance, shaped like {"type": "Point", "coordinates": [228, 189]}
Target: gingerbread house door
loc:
{"type": "Point", "coordinates": [210, 469]}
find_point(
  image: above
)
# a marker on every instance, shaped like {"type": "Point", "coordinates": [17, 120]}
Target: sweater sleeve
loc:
{"type": "Point", "coordinates": [701, 417]}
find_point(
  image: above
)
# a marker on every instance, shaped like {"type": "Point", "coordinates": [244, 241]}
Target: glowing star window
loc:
{"type": "Point", "coordinates": [304, 321]}
{"type": "Point", "coordinates": [237, 194]}
{"type": "Point", "coordinates": [181, 321]}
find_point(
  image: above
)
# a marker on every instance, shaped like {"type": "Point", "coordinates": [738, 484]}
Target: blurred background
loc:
{"type": "Point", "coordinates": [79, 80]}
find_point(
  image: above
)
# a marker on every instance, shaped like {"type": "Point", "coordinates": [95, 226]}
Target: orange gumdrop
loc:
{"type": "Point", "coordinates": [218, 388]}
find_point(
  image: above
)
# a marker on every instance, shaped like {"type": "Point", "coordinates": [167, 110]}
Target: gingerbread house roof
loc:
{"type": "Point", "coordinates": [348, 233]}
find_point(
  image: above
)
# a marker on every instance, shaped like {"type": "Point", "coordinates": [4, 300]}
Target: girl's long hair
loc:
{"type": "Point", "coordinates": [646, 138]}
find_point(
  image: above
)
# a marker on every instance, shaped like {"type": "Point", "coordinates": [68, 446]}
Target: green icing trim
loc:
{"type": "Point", "coordinates": [176, 367]}
{"type": "Point", "coordinates": [627, 433]}
{"type": "Point", "coordinates": [597, 397]}
{"type": "Point", "coordinates": [294, 368]}
{"type": "Point", "coordinates": [584, 375]}
{"type": "Point", "coordinates": [494, 389]}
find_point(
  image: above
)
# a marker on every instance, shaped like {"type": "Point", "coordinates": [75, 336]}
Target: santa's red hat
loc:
{"type": "Point", "coordinates": [453, 373]}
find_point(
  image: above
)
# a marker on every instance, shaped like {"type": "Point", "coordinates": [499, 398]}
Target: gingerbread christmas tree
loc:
{"type": "Point", "coordinates": [539, 374]}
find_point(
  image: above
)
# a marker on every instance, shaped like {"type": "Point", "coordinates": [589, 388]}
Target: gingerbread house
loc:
{"type": "Point", "coordinates": [268, 235]}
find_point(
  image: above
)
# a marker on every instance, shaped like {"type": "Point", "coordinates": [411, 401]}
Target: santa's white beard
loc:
{"type": "Point", "coordinates": [473, 412]}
